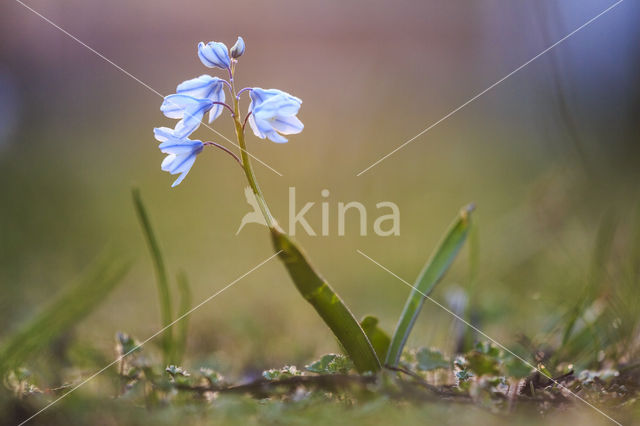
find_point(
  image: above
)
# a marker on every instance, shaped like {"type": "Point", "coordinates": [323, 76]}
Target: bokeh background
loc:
{"type": "Point", "coordinates": [546, 155]}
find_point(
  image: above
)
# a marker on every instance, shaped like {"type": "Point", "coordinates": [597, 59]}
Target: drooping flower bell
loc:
{"type": "Point", "coordinates": [188, 109]}
{"type": "Point", "coordinates": [214, 54]}
{"type": "Point", "coordinates": [181, 152]}
{"type": "Point", "coordinates": [273, 114]}
{"type": "Point", "coordinates": [205, 87]}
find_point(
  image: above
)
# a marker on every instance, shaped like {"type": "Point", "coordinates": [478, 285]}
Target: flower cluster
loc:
{"type": "Point", "coordinates": [271, 114]}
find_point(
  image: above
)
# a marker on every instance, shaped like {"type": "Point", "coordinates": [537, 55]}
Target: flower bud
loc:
{"type": "Point", "coordinates": [214, 54]}
{"type": "Point", "coordinates": [238, 49]}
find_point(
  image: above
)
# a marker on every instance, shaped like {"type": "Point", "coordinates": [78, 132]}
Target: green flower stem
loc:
{"type": "Point", "coordinates": [310, 284]}
{"type": "Point", "coordinates": [248, 169]}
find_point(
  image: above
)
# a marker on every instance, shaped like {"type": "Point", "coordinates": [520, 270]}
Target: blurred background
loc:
{"type": "Point", "coordinates": [547, 156]}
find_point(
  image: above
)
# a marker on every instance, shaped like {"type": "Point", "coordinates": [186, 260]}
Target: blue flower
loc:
{"type": "Point", "coordinates": [188, 109]}
{"type": "Point", "coordinates": [205, 87]}
{"type": "Point", "coordinates": [182, 152]}
{"type": "Point", "coordinates": [238, 49]}
{"type": "Point", "coordinates": [273, 114]}
{"type": "Point", "coordinates": [214, 54]}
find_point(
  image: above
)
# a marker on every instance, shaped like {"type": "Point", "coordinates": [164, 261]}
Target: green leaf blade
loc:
{"type": "Point", "coordinates": [327, 303]}
{"type": "Point", "coordinates": [431, 274]}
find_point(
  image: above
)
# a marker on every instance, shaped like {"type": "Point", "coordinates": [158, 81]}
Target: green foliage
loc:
{"type": "Point", "coordinates": [67, 309]}
{"type": "Point", "coordinates": [331, 364]}
{"type": "Point", "coordinates": [513, 367]}
{"type": "Point", "coordinates": [212, 377]}
{"type": "Point", "coordinates": [431, 274]}
{"type": "Point", "coordinates": [283, 373]}
{"type": "Point", "coordinates": [379, 338]}
{"type": "Point", "coordinates": [175, 371]}
{"type": "Point", "coordinates": [483, 364]}
{"type": "Point", "coordinates": [126, 344]}
{"type": "Point", "coordinates": [431, 359]}
{"type": "Point", "coordinates": [327, 303]}
{"type": "Point", "coordinates": [19, 382]}
{"type": "Point", "coordinates": [601, 253]}
{"type": "Point", "coordinates": [487, 360]}
{"type": "Point", "coordinates": [602, 322]}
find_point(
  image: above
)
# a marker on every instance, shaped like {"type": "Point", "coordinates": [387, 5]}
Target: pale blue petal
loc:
{"type": "Point", "coordinates": [181, 147]}
{"type": "Point", "coordinates": [166, 163]}
{"type": "Point", "coordinates": [263, 125]}
{"type": "Point", "coordinates": [287, 125]}
{"type": "Point", "coordinates": [163, 134]}
{"type": "Point", "coordinates": [276, 137]}
{"type": "Point", "coordinates": [199, 87]}
{"type": "Point", "coordinates": [254, 127]}
{"type": "Point", "coordinates": [174, 106]}
{"type": "Point", "coordinates": [217, 95]}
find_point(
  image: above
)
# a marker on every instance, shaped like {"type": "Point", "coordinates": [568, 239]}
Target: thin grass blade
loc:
{"type": "Point", "coordinates": [162, 281]}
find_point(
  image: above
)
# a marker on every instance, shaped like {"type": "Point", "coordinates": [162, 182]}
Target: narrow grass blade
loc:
{"type": "Point", "coordinates": [161, 276]}
{"type": "Point", "coordinates": [431, 274]}
{"type": "Point", "coordinates": [69, 308]}
{"type": "Point", "coordinates": [184, 291]}
{"type": "Point", "coordinates": [327, 303]}
{"type": "Point", "coordinates": [597, 272]}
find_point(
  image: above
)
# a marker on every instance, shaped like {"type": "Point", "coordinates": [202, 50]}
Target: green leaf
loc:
{"type": "Point", "coordinates": [331, 364]}
{"type": "Point", "coordinates": [126, 344]}
{"type": "Point", "coordinates": [487, 348]}
{"type": "Point", "coordinates": [482, 363]}
{"type": "Point", "coordinates": [176, 370]}
{"type": "Point", "coordinates": [327, 303]}
{"type": "Point", "coordinates": [213, 377]}
{"type": "Point", "coordinates": [284, 373]}
{"type": "Point", "coordinates": [516, 368]}
{"type": "Point", "coordinates": [161, 276]}
{"type": "Point", "coordinates": [379, 338]}
{"type": "Point", "coordinates": [431, 274]}
{"type": "Point", "coordinates": [431, 359]}
{"type": "Point", "coordinates": [68, 309]}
